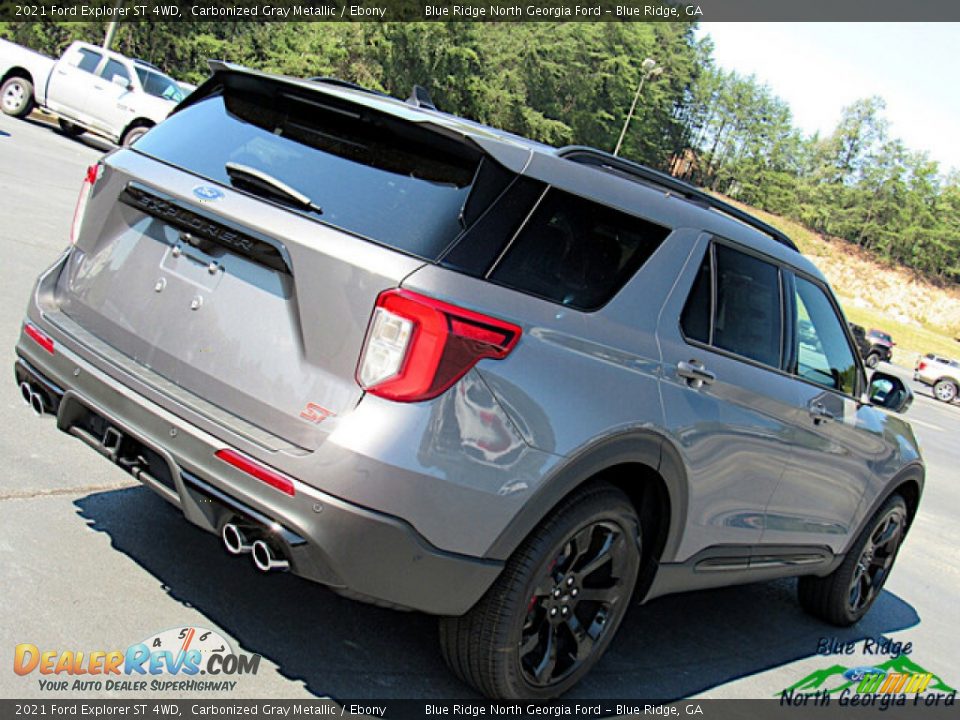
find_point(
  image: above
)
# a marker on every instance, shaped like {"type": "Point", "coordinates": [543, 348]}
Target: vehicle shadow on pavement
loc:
{"type": "Point", "coordinates": [91, 141]}
{"type": "Point", "coordinates": [672, 648]}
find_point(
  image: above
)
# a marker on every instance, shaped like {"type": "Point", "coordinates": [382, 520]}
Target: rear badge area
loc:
{"type": "Point", "coordinates": [315, 413]}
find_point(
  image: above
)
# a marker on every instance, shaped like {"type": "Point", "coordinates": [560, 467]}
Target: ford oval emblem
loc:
{"type": "Point", "coordinates": [208, 193]}
{"type": "Point", "coordinates": [857, 674]}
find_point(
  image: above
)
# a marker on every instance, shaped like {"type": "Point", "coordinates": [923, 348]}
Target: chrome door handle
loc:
{"type": "Point", "coordinates": [820, 414]}
{"type": "Point", "coordinates": [695, 373]}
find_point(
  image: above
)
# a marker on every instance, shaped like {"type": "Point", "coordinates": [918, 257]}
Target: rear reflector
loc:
{"type": "Point", "coordinates": [89, 180]}
{"type": "Point", "coordinates": [263, 473]}
{"type": "Point", "coordinates": [417, 347]}
{"type": "Point", "coordinates": [39, 337]}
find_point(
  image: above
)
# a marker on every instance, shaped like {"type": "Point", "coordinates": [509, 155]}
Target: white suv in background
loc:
{"type": "Point", "coordinates": [940, 373]}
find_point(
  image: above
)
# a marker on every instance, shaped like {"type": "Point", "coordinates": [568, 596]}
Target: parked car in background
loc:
{"type": "Point", "coordinates": [88, 88]}
{"type": "Point", "coordinates": [860, 338]}
{"type": "Point", "coordinates": [435, 366]}
{"type": "Point", "coordinates": [940, 373]}
{"type": "Point", "coordinates": [881, 347]}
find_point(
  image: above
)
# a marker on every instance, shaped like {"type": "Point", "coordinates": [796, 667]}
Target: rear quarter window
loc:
{"type": "Point", "coordinates": [576, 252]}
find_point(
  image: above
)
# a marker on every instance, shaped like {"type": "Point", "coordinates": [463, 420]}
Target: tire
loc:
{"type": "Point", "coordinates": [16, 97]}
{"type": "Point", "coordinates": [872, 360]}
{"type": "Point", "coordinates": [69, 129]}
{"type": "Point", "coordinates": [133, 134]}
{"type": "Point", "coordinates": [846, 595]}
{"type": "Point", "coordinates": [945, 390]}
{"type": "Point", "coordinates": [545, 621]}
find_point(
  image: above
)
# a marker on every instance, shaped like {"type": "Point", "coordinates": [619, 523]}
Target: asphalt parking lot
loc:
{"type": "Point", "coordinates": [90, 560]}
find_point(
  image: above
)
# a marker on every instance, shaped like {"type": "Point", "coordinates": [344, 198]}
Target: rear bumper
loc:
{"type": "Point", "coordinates": [352, 549]}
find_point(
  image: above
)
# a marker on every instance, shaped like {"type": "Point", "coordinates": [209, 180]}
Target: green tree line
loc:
{"type": "Point", "coordinates": [571, 83]}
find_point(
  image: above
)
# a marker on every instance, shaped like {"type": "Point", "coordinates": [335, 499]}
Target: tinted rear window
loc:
{"type": "Point", "coordinates": [381, 178]}
{"type": "Point", "coordinates": [744, 297]}
{"type": "Point", "coordinates": [748, 314]}
{"type": "Point", "coordinates": [577, 252]}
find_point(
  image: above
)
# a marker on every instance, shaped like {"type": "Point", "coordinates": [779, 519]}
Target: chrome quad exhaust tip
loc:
{"type": "Point", "coordinates": [236, 540]}
{"type": "Point", "coordinates": [267, 559]}
{"type": "Point", "coordinates": [32, 398]}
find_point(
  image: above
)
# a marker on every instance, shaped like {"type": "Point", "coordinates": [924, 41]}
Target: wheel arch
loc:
{"type": "Point", "coordinates": [908, 483]}
{"type": "Point", "coordinates": [644, 466]}
{"type": "Point", "coordinates": [135, 123]}
{"type": "Point", "coordinates": [20, 72]}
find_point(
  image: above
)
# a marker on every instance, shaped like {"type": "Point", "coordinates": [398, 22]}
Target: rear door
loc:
{"type": "Point", "coordinates": [72, 81]}
{"type": "Point", "coordinates": [232, 292]}
{"type": "Point", "coordinates": [107, 104]}
{"type": "Point", "coordinates": [728, 407]}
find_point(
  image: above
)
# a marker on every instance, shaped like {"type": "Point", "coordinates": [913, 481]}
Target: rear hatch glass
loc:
{"type": "Point", "coordinates": [385, 180]}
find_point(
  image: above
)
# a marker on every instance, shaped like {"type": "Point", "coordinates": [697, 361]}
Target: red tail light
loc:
{"type": "Point", "coordinates": [417, 347]}
{"type": "Point", "coordinates": [922, 365]}
{"type": "Point", "coordinates": [39, 337]}
{"type": "Point", "coordinates": [263, 473]}
{"type": "Point", "coordinates": [89, 180]}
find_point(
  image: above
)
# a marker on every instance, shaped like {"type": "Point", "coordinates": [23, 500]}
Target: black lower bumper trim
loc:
{"type": "Point", "coordinates": [288, 536]}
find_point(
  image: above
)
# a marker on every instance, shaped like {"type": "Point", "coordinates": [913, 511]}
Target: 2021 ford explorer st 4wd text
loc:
{"type": "Point", "coordinates": [435, 366]}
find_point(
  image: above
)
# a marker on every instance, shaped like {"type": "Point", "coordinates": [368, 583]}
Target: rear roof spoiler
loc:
{"type": "Point", "coordinates": [513, 153]}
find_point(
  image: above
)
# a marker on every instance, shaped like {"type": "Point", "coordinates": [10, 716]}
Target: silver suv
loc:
{"type": "Point", "coordinates": [435, 366]}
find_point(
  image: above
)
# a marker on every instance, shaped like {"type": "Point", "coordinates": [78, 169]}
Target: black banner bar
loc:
{"type": "Point", "coordinates": [480, 10]}
{"type": "Point", "coordinates": [857, 707]}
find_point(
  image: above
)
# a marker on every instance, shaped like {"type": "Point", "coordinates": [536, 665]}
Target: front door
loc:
{"type": "Point", "coordinates": [838, 439]}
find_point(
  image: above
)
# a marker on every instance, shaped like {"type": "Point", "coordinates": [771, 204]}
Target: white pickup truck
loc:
{"type": "Point", "coordinates": [88, 88]}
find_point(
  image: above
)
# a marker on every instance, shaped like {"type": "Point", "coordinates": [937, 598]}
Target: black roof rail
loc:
{"type": "Point", "coordinates": [591, 156]}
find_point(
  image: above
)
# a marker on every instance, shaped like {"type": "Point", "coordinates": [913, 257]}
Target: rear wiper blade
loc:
{"type": "Point", "coordinates": [270, 184]}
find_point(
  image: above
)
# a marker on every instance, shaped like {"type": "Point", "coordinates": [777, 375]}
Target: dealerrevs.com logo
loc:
{"type": "Point", "coordinates": [173, 660]}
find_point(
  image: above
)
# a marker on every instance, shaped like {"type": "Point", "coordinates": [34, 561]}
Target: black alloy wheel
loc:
{"type": "Point", "coordinates": [847, 594]}
{"type": "Point", "coordinates": [556, 606]}
{"type": "Point", "coordinates": [569, 610]}
{"type": "Point", "coordinates": [876, 559]}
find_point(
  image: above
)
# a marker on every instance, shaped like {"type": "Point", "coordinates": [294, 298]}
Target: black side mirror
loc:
{"type": "Point", "coordinates": [888, 391]}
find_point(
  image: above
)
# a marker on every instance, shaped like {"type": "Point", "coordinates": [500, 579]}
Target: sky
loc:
{"type": "Point", "coordinates": [819, 68]}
